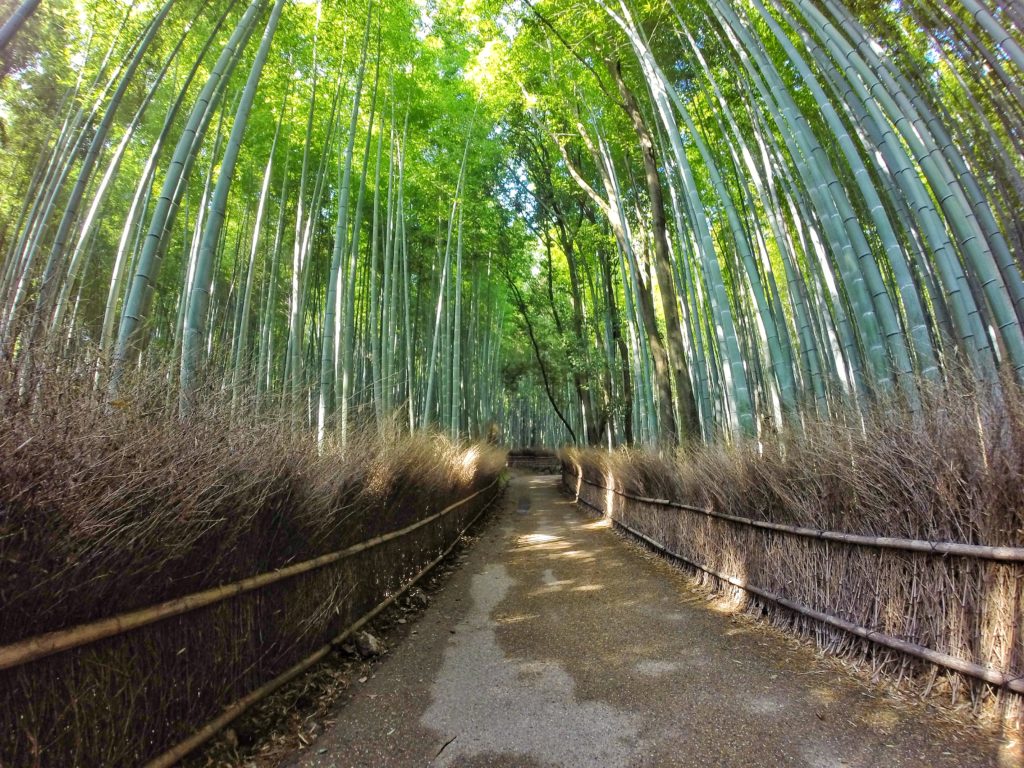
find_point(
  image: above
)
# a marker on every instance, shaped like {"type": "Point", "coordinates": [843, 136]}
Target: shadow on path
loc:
{"type": "Point", "coordinates": [559, 644]}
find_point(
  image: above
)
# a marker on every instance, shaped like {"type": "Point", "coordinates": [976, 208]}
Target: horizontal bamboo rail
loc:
{"type": "Point", "coordinates": [40, 646]}
{"type": "Point", "coordinates": [977, 551]}
{"type": "Point", "coordinates": [234, 711]}
{"type": "Point", "coordinates": [993, 676]}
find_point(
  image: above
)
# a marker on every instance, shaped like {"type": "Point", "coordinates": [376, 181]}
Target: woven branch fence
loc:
{"type": "Point", "coordinates": [150, 685]}
{"type": "Point", "coordinates": [899, 602]}
{"type": "Point", "coordinates": [534, 460]}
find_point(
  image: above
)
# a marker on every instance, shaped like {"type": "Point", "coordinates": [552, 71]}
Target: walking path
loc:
{"type": "Point", "coordinates": [560, 644]}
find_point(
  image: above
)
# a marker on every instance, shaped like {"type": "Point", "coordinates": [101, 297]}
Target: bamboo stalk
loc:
{"type": "Point", "coordinates": [958, 549]}
{"type": "Point", "coordinates": [16, 19]}
{"type": "Point", "coordinates": [33, 648]}
{"type": "Point", "coordinates": [137, 305]}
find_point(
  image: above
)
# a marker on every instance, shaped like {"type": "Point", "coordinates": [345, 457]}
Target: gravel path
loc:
{"type": "Point", "coordinates": [560, 644]}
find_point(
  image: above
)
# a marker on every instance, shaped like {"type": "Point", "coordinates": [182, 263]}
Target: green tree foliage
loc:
{"type": "Point", "coordinates": [610, 222]}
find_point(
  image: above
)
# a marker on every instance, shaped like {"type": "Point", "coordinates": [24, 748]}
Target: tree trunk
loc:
{"type": "Point", "coordinates": [689, 418]}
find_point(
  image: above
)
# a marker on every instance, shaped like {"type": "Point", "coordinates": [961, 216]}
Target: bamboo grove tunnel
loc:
{"type": "Point", "coordinates": [582, 223]}
{"type": "Point", "coordinates": [283, 279]}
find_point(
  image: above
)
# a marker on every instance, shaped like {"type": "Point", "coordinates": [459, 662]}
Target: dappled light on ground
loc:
{"type": "Point", "coordinates": [532, 658]}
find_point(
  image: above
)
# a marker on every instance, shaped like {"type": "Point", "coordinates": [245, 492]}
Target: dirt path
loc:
{"type": "Point", "coordinates": [559, 644]}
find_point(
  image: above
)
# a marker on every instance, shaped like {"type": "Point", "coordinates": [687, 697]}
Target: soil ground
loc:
{"type": "Point", "coordinates": [558, 643]}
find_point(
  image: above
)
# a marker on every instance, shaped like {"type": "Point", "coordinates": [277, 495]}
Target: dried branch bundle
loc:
{"type": "Point", "coordinates": [113, 507]}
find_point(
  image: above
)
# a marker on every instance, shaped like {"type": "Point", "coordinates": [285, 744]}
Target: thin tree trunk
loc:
{"type": "Point", "coordinates": [146, 274]}
{"type": "Point", "coordinates": [690, 426]}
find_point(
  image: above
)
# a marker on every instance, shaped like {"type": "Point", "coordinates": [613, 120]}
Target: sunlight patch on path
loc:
{"type": "Point", "coordinates": [492, 704]}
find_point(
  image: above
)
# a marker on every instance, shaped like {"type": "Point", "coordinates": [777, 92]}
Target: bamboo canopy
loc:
{"type": "Point", "coordinates": [714, 217]}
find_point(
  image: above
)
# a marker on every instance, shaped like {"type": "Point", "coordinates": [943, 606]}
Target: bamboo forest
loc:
{"type": "Point", "coordinates": [688, 222]}
{"type": "Point", "coordinates": [280, 279]}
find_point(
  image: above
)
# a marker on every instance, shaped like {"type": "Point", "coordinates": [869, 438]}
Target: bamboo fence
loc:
{"type": "Point", "coordinates": [954, 605]}
{"type": "Point", "coordinates": [149, 686]}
